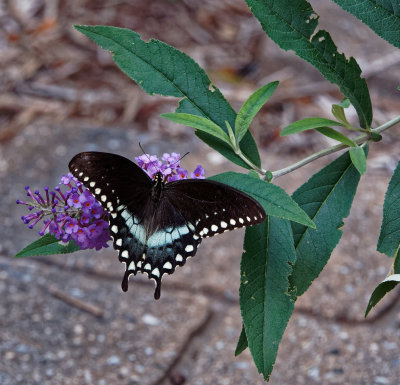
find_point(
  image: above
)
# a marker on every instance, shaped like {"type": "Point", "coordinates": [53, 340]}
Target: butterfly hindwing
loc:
{"type": "Point", "coordinates": [167, 245]}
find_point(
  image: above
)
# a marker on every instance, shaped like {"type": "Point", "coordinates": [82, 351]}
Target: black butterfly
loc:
{"type": "Point", "coordinates": [155, 225]}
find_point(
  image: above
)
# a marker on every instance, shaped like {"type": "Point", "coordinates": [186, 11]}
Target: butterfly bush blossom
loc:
{"type": "Point", "coordinates": [74, 214]}
{"type": "Point", "coordinates": [168, 166]}
{"type": "Point", "coordinates": [70, 214]}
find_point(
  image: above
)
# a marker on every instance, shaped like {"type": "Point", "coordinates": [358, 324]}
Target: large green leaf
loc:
{"type": "Point", "coordinates": [291, 24]}
{"type": "Point", "coordinates": [266, 302]}
{"type": "Point", "coordinates": [48, 245]}
{"type": "Point", "coordinates": [382, 16]}
{"type": "Point", "coordinates": [161, 69]}
{"type": "Point", "coordinates": [389, 238]}
{"type": "Point", "coordinates": [326, 197]}
{"type": "Point", "coordinates": [274, 199]}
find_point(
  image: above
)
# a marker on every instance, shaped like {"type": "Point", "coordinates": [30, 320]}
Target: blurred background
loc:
{"type": "Point", "coordinates": [64, 319]}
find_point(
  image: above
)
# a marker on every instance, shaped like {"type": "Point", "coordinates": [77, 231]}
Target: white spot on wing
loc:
{"type": "Point", "coordinates": [97, 191]}
{"type": "Point", "coordinates": [118, 242]}
{"type": "Point", "coordinates": [92, 184]}
{"type": "Point", "coordinates": [103, 198]}
{"type": "Point", "coordinates": [178, 258]}
{"type": "Point", "coordinates": [214, 228]}
{"type": "Point", "coordinates": [241, 220]}
{"type": "Point", "coordinates": [232, 222]}
{"type": "Point", "coordinates": [86, 178]}
{"type": "Point", "coordinates": [114, 229]}
{"type": "Point", "coordinates": [131, 265]}
{"type": "Point", "coordinates": [156, 272]}
{"type": "Point", "coordinates": [147, 266]}
{"type": "Point", "coordinates": [224, 225]}
{"type": "Point", "coordinates": [189, 248]}
{"type": "Point", "coordinates": [125, 254]}
{"type": "Point", "coordinates": [167, 265]}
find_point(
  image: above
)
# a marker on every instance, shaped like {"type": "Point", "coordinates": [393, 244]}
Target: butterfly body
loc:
{"type": "Point", "coordinates": [155, 225]}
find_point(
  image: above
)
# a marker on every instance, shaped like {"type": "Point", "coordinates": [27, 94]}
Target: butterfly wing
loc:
{"type": "Point", "coordinates": [213, 207]}
{"type": "Point", "coordinates": [200, 209]}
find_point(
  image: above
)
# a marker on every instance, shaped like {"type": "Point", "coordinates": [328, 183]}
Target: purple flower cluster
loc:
{"type": "Point", "coordinates": [168, 166]}
{"type": "Point", "coordinates": [73, 214]}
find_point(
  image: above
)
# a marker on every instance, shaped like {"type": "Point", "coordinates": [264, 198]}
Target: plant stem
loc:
{"type": "Point", "coordinates": [330, 150]}
{"type": "Point", "coordinates": [249, 162]}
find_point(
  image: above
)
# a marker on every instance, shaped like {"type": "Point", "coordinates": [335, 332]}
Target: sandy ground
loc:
{"type": "Point", "coordinates": [64, 319]}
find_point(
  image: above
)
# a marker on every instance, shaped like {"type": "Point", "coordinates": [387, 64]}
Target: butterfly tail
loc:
{"type": "Point", "coordinates": [125, 280]}
{"type": "Point", "coordinates": [157, 292]}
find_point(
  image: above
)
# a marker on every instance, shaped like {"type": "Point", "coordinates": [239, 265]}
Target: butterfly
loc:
{"type": "Point", "coordinates": [156, 226]}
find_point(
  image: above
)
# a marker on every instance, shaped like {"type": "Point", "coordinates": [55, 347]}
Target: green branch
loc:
{"type": "Point", "coordinates": [359, 140]}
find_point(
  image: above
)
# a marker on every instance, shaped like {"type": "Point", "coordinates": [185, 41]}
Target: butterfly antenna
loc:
{"type": "Point", "coordinates": [143, 151]}
{"type": "Point", "coordinates": [180, 158]}
{"type": "Point", "coordinates": [150, 161]}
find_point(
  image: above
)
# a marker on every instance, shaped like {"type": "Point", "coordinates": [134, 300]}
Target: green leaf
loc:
{"type": "Point", "coordinates": [292, 24]}
{"type": "Point", "coordinates": [308, 124]}
{"type": "Point", "coordinates": [326, 197]}
{"type": "Point", "coordinates": [200, 123]}
{"type": "Point", "coordinates": [344, 103]}
{"type": "Point", "coordinates": [251, 107]}
{"type": "Point", "coordinates": [389, 237]}
{"type": "Point", "coordinates": [273, 199]}
{"type": "Point", "coordinates": [388, 284]}
{"type": "Point", "coordinates": [161, 69]}
{"type": "Point", "coordinates": [382, 16]}
{"type": "Point", "coordinates": [338, 111]}
{"type": "Point", "coordinates": [266, 302]}
{"type": "Point", "coordinates": [336, 135]}
{"type": "Point", "coordinates": [242, 343]}
{"type": "Point", "coordinates": [48, 245]}
{"type": "Point", "coordinates": [358, 158]}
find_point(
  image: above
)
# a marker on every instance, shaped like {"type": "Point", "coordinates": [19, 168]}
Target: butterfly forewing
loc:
{"type": "Point", "coordinates": [156, 227]}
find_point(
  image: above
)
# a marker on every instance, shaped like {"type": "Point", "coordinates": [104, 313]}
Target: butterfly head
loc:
{"type": "Point", "coordinates": [158, 178]}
